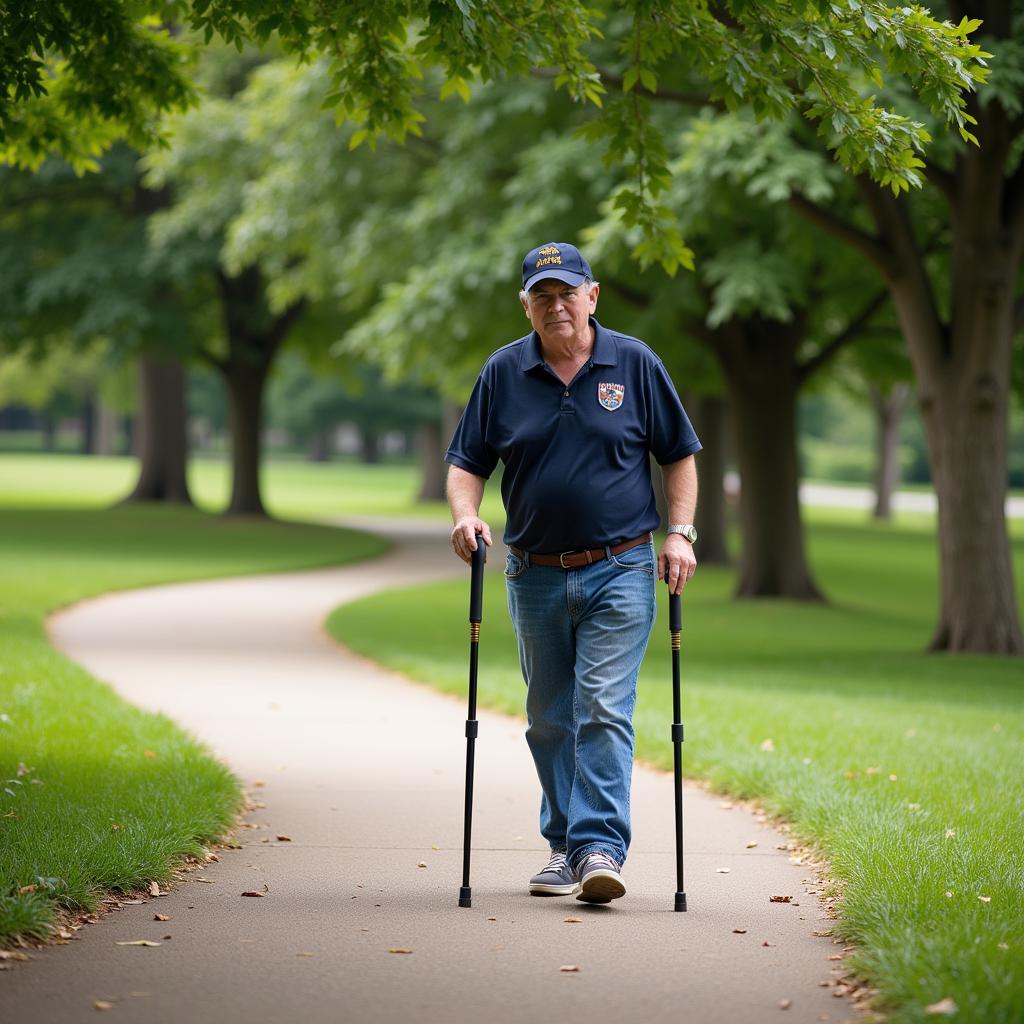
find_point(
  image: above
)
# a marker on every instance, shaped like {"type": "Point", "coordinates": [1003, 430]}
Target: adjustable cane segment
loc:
{"type": "Point", "coordinates": [675, 628]}
{"type": "Point", "coordinates": [476, 604]}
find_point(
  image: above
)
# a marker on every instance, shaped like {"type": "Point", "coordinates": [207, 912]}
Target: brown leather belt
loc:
{"type": "Point", "coordinates": [576, 559]}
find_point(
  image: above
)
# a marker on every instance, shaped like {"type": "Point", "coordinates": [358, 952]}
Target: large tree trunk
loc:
{"type": "Point", "coordinates": [245, 384]}
{"type": "Point", "coordinates": [759, 362]}
{"type": "Point", "coordinates": [428, 438]}
{"type": "Point", "coordinates": [962, 368]}
{"type": "Point", "coordinates": [160, 438]}
{"type": "Point", "coordinates": [888, 406]}
{"type": "Point", "coordinates": [254, 337]}
{"type": "Point", "coordinates": [709, 422]}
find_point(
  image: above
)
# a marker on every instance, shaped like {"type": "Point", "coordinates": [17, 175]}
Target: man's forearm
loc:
{"type": "Point", "coordinates": [681, 489]}
{"type": "Point", "coordinates": [465, 491]}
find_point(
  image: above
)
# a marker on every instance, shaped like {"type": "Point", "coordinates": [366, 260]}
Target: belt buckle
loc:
{"type": "Point", "coordinates": [561, 559]}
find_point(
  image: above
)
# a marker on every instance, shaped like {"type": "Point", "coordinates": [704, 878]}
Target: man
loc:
{"type": "Point", "coordinates": [573, 411]}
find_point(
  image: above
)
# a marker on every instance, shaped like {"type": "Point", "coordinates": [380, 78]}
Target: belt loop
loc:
{"type": "Point", "coordinates": [526, 559]}
{"type": "Point", "coordinates": [590, 557]}
{"type": "Point", "coordinates": [608, 552]}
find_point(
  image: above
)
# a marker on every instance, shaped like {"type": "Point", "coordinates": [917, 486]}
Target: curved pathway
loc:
{"type": "Point", "coordinates": [364, 771]}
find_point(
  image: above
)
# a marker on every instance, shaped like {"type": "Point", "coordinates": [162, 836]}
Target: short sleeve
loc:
{"type": "Point", "coordinates": [670, 435]}
{"type": "Point", "coordinates": [469, 449]}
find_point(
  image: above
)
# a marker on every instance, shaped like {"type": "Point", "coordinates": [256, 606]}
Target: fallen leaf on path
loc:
{"type": "Point", "coordinates": [253, 892]}
{"type": "Point", "coordinates": [258, 782]}
{"type": "Point", "coordinates": [102, 1004]}
{"type": "Point", "coordinates": [422, 864]}
{"type": "Point", "coordinates": [284, 839]}
{"type": "Point", "coordinates": [751, 844]}
{"type": "Point", "coordinates": [822, 934]}
{"type": "Point", "coordinates": [739, 931]}
{"type": "Point", "coordinates": [944, 1006]}
{"type": "Point", "coordinates": [726, 806]}
{"type": "Point", "coordinates": [569, 968]}
{"type": "Point", "coordinates": [785, 1004]}
{"type": "Point", "coordinates": [160, 917]}
{"type": "Point", "coordinates": [399, 950]}
{"type": "Point", "coordinates": [836, 956]}
{"type": "Point", "coordinates": [722, 871]}
{"type": "Point", "coordinates": [138, 942]}
{"type": "Point", "coordinates": [305, 954]}
{"type": "Point", "coordinates": [780, 899]}
{"type": "Point", "coordinates": [572, 920]}
{"type": "Point", "coordinates": [154, 889]}
{"type": "Point", "coordinates": [767, 943]}
{"type": "Point", "coordinates": [12, 954]}
{"type": "Point", "coordinates": [492, 919]}
{"type": "Point", "coordinates": [434, 846]}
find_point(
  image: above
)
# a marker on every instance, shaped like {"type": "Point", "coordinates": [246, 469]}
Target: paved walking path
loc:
{"type": "Point", "coordinates": [364, 771]}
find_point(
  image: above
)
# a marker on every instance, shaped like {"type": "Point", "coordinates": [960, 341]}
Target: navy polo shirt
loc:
{"type": "Point", "coordinates": [577, 472]}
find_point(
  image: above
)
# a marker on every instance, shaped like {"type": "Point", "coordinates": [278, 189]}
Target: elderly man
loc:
{"type": "Point", "coordinates": [573, 410]}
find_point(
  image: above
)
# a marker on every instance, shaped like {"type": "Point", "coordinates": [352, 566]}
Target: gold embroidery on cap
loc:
{"type": "Point", "coordinates": [548, 250]}
{"type": "Point", "coordinates": [547, 260]}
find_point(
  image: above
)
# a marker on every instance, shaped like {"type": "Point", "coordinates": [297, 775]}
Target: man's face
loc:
{"type": "Point", "coordinates": [558, 311]}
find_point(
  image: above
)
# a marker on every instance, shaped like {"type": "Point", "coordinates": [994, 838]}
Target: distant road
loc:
{"type": "Point", "coordinates": [832, 496]}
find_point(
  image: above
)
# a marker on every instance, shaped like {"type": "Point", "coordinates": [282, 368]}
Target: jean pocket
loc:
{"type": "Point", "coordinates": [640, 558]}
{"type": "Point", "coordinates": [514, 566]}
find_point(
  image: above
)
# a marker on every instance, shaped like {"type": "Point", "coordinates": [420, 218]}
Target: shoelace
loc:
{"type": "Point", "coordinates": [602, 859]}
{"type": "Point", "coordinates": [557, 862]}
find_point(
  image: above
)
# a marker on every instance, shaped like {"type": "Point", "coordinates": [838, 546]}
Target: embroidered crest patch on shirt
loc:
{"type": "Point", "coordinates": [610, 395]}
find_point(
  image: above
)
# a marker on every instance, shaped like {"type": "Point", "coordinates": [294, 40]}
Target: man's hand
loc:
{"type": "Point", "coordinates": [677, 556]}
{"type": "Point", "coordinates": [464, 534]}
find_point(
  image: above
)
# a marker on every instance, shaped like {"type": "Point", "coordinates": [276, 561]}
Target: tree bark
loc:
{"type": "Point", "coordinates": [245, 385]}
{"type": "Point", "coordinates": [709, 422]}
{"type": "Point", "coordinates": [428, 437]}
{"type": "Point", "coordinates": [759, 362]}
{"type": "Point", "coordinates": [159, 432]}
{"type": "Point", "coordinates": [888, 407]}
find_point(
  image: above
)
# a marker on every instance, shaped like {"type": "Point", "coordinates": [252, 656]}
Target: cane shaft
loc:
{"type": "Point", "coordinates": [675, 631]}
{"type": "Point", "coordinates": [472, 726]}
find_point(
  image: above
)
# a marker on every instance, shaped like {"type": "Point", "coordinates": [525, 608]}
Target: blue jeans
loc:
{"type": "Point", "coordinates": [582, 635]}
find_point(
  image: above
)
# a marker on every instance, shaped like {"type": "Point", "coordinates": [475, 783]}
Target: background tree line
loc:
{"type": "Point", "coordinates": [763, 146]}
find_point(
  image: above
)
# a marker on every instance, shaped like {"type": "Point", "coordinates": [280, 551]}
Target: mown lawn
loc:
{"type": "Point", "coordinates": [905, 770]}
{"type": "Point", "coordinates": [96, 794]}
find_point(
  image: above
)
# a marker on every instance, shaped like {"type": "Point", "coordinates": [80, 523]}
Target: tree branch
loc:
{"type": "Point", "coordinates": [855, 327]}
{"type": "Point", "coordinates": [869, 246]}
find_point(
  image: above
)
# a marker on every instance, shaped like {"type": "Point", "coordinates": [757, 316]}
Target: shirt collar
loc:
{"type": "Point", "coordinates": [605, 350]}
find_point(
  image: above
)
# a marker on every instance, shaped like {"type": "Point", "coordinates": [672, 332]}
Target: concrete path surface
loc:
{"type": "Point", "coordinates": [364, 771]}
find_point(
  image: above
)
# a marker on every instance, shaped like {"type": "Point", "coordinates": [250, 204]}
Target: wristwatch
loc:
{"type": "Point", "coordinates": [688, 530]}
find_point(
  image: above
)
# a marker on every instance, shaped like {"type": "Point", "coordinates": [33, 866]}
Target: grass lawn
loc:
{"type": "Point", "coordinates": [131, 791]}
{"type": "Point", "coordinates": [905, 770]}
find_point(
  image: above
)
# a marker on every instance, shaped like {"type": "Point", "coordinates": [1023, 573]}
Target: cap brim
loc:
{"type": "Point", "coordinates": [559, 275]}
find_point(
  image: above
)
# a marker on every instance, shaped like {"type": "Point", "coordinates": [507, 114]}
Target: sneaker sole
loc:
{"type": "Point", "coordinates": [601, 887]}
{"type": "Point", "coordinates": [539, 889]}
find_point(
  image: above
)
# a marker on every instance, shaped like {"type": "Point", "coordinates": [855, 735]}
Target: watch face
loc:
{"type": "Point", "coordinates": [690, 533]}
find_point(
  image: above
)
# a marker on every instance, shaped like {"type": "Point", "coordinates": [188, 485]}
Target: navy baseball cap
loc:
{"type": "Point", "coordinates": [559, 260]}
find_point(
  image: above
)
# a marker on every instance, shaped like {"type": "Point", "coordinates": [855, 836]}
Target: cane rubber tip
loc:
{"type": "Point", "coordinates": [465, 896]}
{"type": "Point", "coordinates": [680, 901]}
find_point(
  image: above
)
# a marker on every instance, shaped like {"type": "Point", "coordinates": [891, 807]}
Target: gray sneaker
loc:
{"type": "Point", "coordinates": [556, 879]}
{"type": "Point", "coordinates": [600, 881]}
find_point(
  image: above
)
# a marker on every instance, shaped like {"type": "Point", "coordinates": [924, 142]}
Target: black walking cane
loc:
{"type": "Point", "coordinates": [675, 627]}
{"type": "Point", "coordinates": [476, 604]}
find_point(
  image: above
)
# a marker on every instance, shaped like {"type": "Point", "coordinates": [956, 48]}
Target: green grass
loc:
{"type": "Point", "coordinates": [131, 791]}
{"type": "Point", "coordinates": [848, 700]}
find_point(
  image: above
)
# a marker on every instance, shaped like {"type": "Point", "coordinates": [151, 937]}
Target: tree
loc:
{"type": "Point", "coordinates": [959, 315]}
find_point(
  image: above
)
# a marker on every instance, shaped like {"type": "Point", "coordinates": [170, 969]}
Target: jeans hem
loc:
{"type": "Point", "coordinates": [608, 851]}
